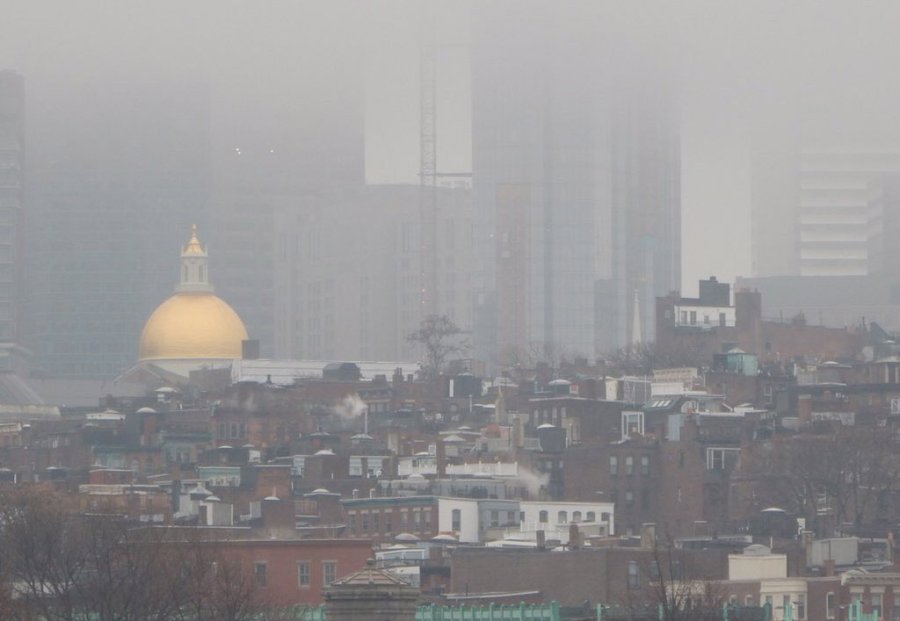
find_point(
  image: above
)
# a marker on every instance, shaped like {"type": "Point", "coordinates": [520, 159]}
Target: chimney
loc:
{"type": "Point", "coordinates": [278, 517]}
{"type": "Point", "coordinates": [648, 535]}
{"type": "Point", "coordinates": [806, 540]}
{"type": "Point", "coordinates": [804, 408]}
{"type": "Point", "coordinates": [441, 458]}
{"type": "Point", "coordinates": [574, 537]}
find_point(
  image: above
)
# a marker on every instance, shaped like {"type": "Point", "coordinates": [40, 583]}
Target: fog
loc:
{"type": "Point", "coordinates": [306, 78]}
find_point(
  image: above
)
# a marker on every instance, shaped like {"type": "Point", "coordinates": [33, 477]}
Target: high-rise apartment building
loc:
{"type": "Point", "coordinates": [824, 210]}
{"type": "Point", "coordinates": [576, 166]}
{"type": "Point", "coordinates": [12, 187]}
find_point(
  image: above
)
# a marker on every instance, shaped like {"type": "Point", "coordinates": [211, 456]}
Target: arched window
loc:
{"type": "Point", "coordinates": [576, 516]}
{"type": "Point", "coordinates": [542, 517]}
{"type": "Point", "coordinates": [562, 517]}
{"type": "Point", "coordinates": [591, 516]}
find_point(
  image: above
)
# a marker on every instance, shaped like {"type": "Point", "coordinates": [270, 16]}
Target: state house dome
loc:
{"type": "Point", "coordinates": [194, 324]}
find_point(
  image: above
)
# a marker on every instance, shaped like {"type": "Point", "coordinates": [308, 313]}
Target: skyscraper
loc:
{"type": "Point", "coordinates": [12, 182]}
{"type": "Point", "coordinates": [347, 268]}
{"type": "Point", "coordinates": [822, 209]}
{"type": "Point", "coordinates": [114, 181]}
{"type": "Point", "coordinates": [576, 166]}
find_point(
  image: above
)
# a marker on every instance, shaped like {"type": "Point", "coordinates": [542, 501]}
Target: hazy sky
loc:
{"type": "Point", "coordinates": [740, 66]}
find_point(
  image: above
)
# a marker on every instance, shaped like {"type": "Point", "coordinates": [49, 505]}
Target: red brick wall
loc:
{"type": "Point", "coordinates": [281, 558]}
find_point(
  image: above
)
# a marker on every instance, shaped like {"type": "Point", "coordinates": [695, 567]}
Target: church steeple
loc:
{"type": "Point", "coordinates": [636, 336]}
{"type": "Point", "coordinates": [194, 269]}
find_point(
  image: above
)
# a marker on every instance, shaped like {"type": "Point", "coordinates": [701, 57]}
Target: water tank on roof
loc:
{"type": "Point", "coordinates": [466, 385]}
{"type": "Point", "coordinates": [342, 372]}
{"type": "Point", "coordinates": [560, 387]}
{"type": "Point", "coordinates": [552, 438]}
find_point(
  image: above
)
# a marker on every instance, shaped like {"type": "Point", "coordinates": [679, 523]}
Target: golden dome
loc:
{"type": "Point", "coordinates": [191, 326]}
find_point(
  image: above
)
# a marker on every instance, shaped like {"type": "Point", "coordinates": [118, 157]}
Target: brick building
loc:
{"type": "Point", "coordinates": [295, 571]}
{"type": "Point", "coordinates": [612, 575]}
{"type": "Point", "coordinates": [673, 471]}
{"type": "Point", "coordinates": [382, 519]}
{"type": "Point", "coordinates": [697, 328]}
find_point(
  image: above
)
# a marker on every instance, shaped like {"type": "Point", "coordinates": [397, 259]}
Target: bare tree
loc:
{"type": "Point", "coordinates": [643, 358]}
{"type": "Point", "coordinates": [848, 473]}
{"type": "Point", "coordinates": [59, 565]}
{"type": "Point", "coordinates": [440, 338]}
{"type": "Point", "coordinates": [674, 590]}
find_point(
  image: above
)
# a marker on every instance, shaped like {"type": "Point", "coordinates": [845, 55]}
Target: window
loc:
{"type": "Point", "coordinates": [830, 608]}
{"type": "Point", "coordinates": [576, 516]}
{"type": "Point", "coordinates": [722, 320]}
{"type": "Point", "coordinates": [629, 465]}
{"type": "Point", "coordinates": [510, 518]}
{"type": "Point", "coordinates": [365, 521]}
{"type": "Point", "coordinates": [785, 602]}
{"type": "Point", "coordinates": [260, 572]}
{"type": "Point", "coordinates": [721, 458]}
{"type": "Point", "coordinates": [613, 465]}
{"type": "Point", "coordinates": [591, 516]}
{"type": "Point", "coordinates": [303, 573]}
{"type": "Point", "coordinates": [495, 518]}
{"type": "Point", "coordinates": [748, 600]}
{"type": "Point", "coordinates": [801, 606]}
{"type": "Point", "coordinates": [351, 522]}
{"type": "Point", "coordinates": [629, 498]}
{"type": "Point", "coordinates": [562, 517]}
{"type": "Point", "coordinates": [375, 522]}
{"type": "Point", "coordinates": [876, 605]}
{"type": "Point", "coordinates": [329, 572]}
{"type": "Point", "coordinates": [632, 424]}
{"type": "Point", "coordinates": [634, 575]}
{"type": "Point", "coordinates": [456, 519]}
{"type": "Point", "coordinates": [645, 465]}
{"type": "Point", "coordinates": [693, 318]}
{"type": "Point", "coordinates": [542, 517]}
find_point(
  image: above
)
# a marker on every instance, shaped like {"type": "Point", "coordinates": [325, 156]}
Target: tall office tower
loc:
{"type": "Point", "coordinates": [114, 181]}
{"type": "Point", "coordinates": [576, 164]}
{"type": "Point", "coordinates": [272, 153]}
{"type": "Point", "coordinates": [347, 271]}
{"type": "Point", "coordinates": [12, 181]}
